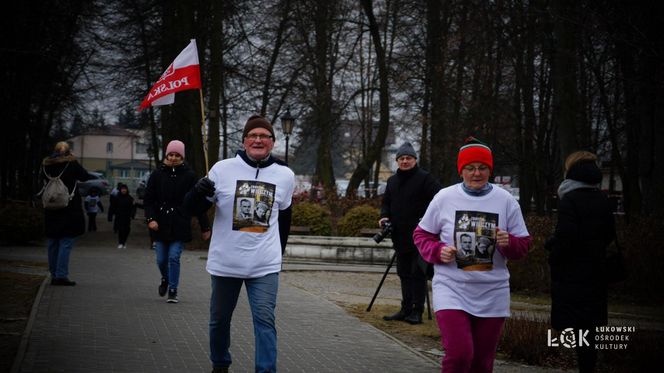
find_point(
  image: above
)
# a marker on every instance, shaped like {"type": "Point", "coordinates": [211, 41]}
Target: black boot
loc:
{"type": "Point", "coordinates": [414, 318]}
{"type": "Point", "coordinates": [399, 316]}
{"type": "Point", "coordinates": [62, 282]}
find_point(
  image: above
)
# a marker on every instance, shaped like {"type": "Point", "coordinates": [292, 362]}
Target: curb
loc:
{"type": "Point", "coordinates": [23, 345]}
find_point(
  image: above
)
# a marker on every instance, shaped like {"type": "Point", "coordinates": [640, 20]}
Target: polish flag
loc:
{"type": "Point", "coordinates": [183, 74]}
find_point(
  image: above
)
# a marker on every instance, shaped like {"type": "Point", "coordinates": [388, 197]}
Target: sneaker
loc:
{"type": "Point", "coordinates": [163, 287]}
{"type": "Point", "coordinates": [120, 246]}
{"type": "Point", "coordinates": [124, 245]}
{"type": "Point", "coordinates": [172, 296]}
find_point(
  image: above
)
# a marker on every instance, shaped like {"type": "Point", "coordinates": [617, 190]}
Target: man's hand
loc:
{"type": "Point", "coordinates": [153, 225]}
{"type": "Point", "coordinates": [382, 221]}
{"type": "Point", "coordinates": [205, 187]}
{"type": "Point", "coordinates": [206, 235]}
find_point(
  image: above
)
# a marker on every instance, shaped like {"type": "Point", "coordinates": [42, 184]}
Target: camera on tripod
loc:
{"type": "Point", "coordinates": [387, 229]}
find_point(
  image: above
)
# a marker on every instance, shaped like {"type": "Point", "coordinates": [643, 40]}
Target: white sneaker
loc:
{"type": "Point", "coordinates": [124, 246]}
{"type": "Point", "coordinates": [120, 246]}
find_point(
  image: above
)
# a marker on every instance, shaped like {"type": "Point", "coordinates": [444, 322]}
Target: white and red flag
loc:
{"type": "Point", "coordinates": [183, 74]}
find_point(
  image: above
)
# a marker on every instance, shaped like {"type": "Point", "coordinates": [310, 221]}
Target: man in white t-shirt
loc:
{"type": "Point", "coordinates": [246, 251]}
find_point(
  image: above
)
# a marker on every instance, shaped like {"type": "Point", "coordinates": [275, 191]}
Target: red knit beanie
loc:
{"type": "Point", "coordinates": [256, 121]}
{"type": "Point", "coordinates": [474, 151]}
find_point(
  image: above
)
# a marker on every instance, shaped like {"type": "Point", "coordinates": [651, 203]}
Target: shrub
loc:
{"type": "Point", "coordinates": [356, 218]}
{"type": "Point", "coordinates": [531, 274]}
{"type": "Point", "coordinates": [20, 222]}
{"type": "Point", "coordinates": [314, 216]}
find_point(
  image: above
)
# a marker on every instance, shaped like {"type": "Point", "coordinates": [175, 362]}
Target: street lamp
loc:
{"type": "Point", "coordinates": [149, 150]}
{"type": "Point", "coordinates": [287, 123]}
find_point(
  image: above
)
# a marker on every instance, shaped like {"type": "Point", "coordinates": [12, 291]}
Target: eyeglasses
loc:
{"type": "Point", "coordinates": [472, 169]}
{"type": "Point", "coordinates": [257, 137]}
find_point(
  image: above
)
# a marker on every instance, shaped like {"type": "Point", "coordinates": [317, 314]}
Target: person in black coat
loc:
{"type": "Point", "coordinates": [578, 251]}
{"type": "Point", "coordinates": [123, 211]}
{"type": "Point", "coordinates": [169, 222]}
{"type": "Point", "coordinates": [405, 201]}
{"type": "Point", "coordinates": [63, 225]}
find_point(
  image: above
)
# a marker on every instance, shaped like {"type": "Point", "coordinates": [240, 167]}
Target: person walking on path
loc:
{"type": "Point", "coordinates": [578, 252]}
{"type": "Point", "coordinates": [63, 225]}
{"type": "Point", "coordinates": [123, 210]}
{"type": "Point", "coordinates": [169, 222]}
{"type": "Point", "coordinates": [406, 198]}
{"type": "Point", "coordinates": [93, 206]}
{"type": "Point", "coordinates": [471, 294]}
{"type": "Point", "coordinates": [246, 251]}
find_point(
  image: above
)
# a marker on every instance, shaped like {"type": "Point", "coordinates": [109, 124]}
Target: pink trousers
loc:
{"type": "Point", "coordinates": [470, 342]}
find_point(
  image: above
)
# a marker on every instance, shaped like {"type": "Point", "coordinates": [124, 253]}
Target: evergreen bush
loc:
{"type": "Point", "coordinates": [314, 216]}
{"type": "Point", "coordinates": [358, 217]}
{"type": "Point", "coordinates": [20, 223]}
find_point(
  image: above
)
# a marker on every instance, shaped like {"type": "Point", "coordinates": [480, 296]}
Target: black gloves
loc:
{"type": "Point", "coordinates": [205, 187]}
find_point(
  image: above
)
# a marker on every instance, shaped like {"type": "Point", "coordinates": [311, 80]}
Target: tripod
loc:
{"type": "Point", "coordinates": [389, 266]}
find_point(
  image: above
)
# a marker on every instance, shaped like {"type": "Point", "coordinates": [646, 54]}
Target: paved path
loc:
{"type": "Point", "coordinates": [114, 321]}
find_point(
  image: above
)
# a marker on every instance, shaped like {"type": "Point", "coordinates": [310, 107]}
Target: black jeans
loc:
{"type": "Point", "coordinates": [413, 282]}
{"type": "Point", "coordinates": [92, 221]}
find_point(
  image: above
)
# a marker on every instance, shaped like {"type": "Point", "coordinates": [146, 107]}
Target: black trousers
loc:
{"type": "Point", "coordinates": [413, 282]}
{"type": "Point", "coordinates": [92, 221]}
{"type": "Point", "coordinates": [123, 233]}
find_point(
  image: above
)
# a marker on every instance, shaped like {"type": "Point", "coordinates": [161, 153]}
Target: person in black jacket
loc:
{"type": "Point", "coordinates": [577, 253]}
{"type": "Point", "coordinates": [123, 210]}
{"type": "Point", "coordinates": [406, 198]}
{"type": "Point", "coordinates": [169, 222]}
{"type": "Point", "coordinates": [65, 224]}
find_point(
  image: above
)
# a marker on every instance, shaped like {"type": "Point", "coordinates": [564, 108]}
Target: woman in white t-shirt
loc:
{"type": "Point", "coordinates": [471, 293]}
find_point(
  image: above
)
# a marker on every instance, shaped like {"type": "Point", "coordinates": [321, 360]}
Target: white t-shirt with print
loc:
{"type": "Point", "coordinates": [483, 293]}
{"type": "Point", "coordinates": [247, 245]}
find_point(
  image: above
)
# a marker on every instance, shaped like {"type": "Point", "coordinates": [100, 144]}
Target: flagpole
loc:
{"type": "Point", "coordinates": [203, 132]}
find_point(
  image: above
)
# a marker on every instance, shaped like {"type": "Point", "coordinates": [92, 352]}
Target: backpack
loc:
{"type": "Point", "coordinates": [55, 194]}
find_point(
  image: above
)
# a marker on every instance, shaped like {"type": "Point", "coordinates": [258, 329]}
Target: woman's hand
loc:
{"type": "Point", "coordinates": [153, 225]}
{"type": "Point", "coordinates": [502, 238]}
{"type": "Point", "coordinates": [447, 254]}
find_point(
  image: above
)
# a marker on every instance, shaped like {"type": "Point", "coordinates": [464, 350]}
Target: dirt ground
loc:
{"type": "Point", "coordinates": [18, 294]}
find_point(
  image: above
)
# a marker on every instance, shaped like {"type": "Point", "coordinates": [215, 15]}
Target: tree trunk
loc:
{"type": "Point", "coordinates": [565, 107]}
{"type": "Point", "coordinates": [376, 147]}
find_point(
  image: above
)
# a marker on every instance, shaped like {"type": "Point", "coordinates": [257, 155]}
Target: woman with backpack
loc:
{"type": "Point", "coordinates": [64, 221]}
{"type": "Point", "coordinates": [124, 210]}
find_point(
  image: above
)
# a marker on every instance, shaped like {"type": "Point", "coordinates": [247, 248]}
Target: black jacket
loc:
{"type": "Point", "coordinates": [577, 254]}
{"type": "Point", "coordinates": [405, 201]}
{"type": "Point", "coordinates": [68, 221]}
{"type": "Point", "coordinates": [123, 210]}
{"type": "Point", "coordinates": [163, 202]}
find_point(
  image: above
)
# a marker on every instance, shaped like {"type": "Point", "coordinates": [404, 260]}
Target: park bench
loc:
{"type": "Point", "coordinates": [299, 229]}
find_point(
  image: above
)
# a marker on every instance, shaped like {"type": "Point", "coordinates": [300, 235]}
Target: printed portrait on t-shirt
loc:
{"type": "Point", "coordinates": [246, 208]}
{"type": "Point", "coordinates": [253, 206]}
{"type": "Point", "coordinates": [475, 239]}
